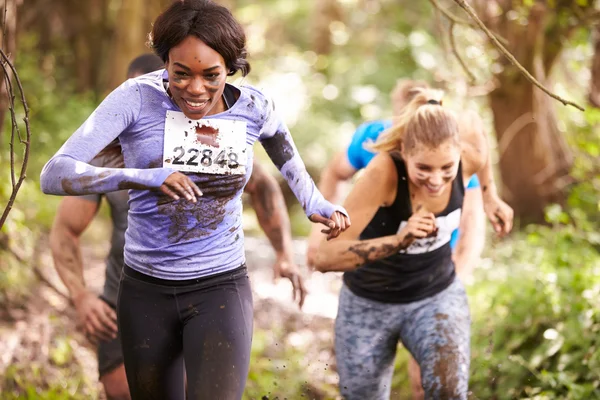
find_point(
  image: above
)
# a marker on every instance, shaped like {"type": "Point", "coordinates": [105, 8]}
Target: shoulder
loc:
{"type": "Point", "coordinates": [371, 130]}
{"type": "Point", "coordinates": [382, 168]}
{"type": "Point", "coordinates": [152, 82]}
{"type": "Point", "coordinates": [381, 176]}
{"type": "Point", "coordinates": [474, 148]}
{"type": "Point", "coordinates": [258, 98]}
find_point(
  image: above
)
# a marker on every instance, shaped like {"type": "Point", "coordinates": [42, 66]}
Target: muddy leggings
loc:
{"type": "Point", "coordinates": [435, 330]}
{"type": "Point", "coordinates": [206, 323]}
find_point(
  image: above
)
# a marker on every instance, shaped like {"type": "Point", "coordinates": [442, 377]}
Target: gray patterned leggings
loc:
{"type": "Point", "coordinates": [435, 330]}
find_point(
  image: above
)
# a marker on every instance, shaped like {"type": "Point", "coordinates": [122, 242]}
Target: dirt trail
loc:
{"type": "Point", "coordinates": [44, 338]}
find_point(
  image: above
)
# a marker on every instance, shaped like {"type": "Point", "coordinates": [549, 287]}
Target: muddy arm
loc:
{"type": "Point", "coordinates": [377, 187]}
{"type": "Point", "coordinates": [69, 171]}
{"type": "Point", "coordinates": [279, 145]}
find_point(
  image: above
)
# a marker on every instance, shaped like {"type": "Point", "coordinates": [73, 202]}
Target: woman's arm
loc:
{"type": "Point", "coordinates": [69, 171]}
{"type": "Point", "coordinates": [476, 160]}
{"type": "Point", "coordinates": [376, 187]}
{"type": "Point", "coordinates": [279, 145]}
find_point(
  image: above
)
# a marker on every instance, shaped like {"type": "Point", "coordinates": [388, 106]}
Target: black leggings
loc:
{"type": "Point", "coordinates": [206, 323]}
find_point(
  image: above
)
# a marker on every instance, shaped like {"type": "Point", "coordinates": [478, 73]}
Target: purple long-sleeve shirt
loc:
{"type": "Point", "coordinates": [166, 238]}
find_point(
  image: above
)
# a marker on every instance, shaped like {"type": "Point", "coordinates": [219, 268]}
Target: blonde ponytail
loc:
{"type": "Point", "coordinates": [422, 121]}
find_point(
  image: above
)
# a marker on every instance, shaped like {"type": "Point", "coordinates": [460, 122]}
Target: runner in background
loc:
{"type": "Point", "coordinates": [467, 242]}
{"type": "Point", "coordinates": [97, 315]}
{"type": "Point", "coordinates": [399, 276]}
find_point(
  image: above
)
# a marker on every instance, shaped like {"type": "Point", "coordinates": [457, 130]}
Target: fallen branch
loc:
{"type": "Point", "coordinates": [469, 10]}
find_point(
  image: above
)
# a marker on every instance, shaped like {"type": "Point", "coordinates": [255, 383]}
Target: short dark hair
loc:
{"type": "Point", "coordinates": [144, 64]}
{"type": "Point", "coordinates": [209, 22]}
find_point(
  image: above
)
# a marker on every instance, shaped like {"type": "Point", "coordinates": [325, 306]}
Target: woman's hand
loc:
{"type": "Point", "coordinates": [337, 224]}
{"type": "Point", "coordinates": [499, 213]}
{"type": "Point", "coordinates": [420, 225]}
{"type": "Point", "coordinates": [178, 184]}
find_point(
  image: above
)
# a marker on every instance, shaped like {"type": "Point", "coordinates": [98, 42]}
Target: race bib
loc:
{"type": "Point", "coordinates": [210, 146]}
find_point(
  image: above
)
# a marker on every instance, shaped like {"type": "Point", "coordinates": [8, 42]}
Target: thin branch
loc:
{"type": "Point", "coordinates": [469, 10]}
{"type": "Point", "coordinates": [462, 63]}
{"type": "Point", "coordinates": [23, 173]}
{"type": "Point", "coordinates": [4, 32]}
{"type": "Point", "coordinates": [452, 17]}
{"type": "Point", "coordinates": [11, 106]}
{"type": "Point", "coordinates": [459, 21]}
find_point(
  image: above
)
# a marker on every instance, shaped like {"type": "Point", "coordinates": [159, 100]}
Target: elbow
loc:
{"type": "Point", "coordinates": [320, 261]}
{"type": "Point", "coordinates": [45, 183]}
{"type": "Point", "coordinates": [47, 179]}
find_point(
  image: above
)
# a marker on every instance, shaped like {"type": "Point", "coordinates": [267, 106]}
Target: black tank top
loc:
{"type": "Point", "coordinates": [422, 270]}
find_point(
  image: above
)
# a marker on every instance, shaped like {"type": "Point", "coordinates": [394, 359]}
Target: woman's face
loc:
{"type": "Point", "coordinates": [432, 170]}
{"type": "Point", "coordinates": [197, 76]}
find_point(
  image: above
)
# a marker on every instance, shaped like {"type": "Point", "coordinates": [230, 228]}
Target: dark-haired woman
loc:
{"type": "Point", "coordinates": [400, 282]}
{"type": "Point", "coordinates": [187, 141]}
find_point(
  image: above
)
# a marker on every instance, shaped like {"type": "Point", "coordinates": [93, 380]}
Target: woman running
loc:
{"type": "Point", "coordinates": [186, 137]}
{"type": "Point", "coordinates": [399, 281]}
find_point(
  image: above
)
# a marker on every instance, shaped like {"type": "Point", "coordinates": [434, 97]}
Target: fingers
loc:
{"type": "Point", "coordinates": [503, 218]}
{"type": "Point", "coordinates": [298, 289]}
{"type": "Point", "coordinates": [182, 190]}
{"type": "Point", "coordinates": [95, 329]}
{"type": "Point", "coordinates": [165, 189]}
{"type": "Point", "coordinates": [335, 229]}
{"type": "Point", "coordinates": [178, 184]}
{"type": "Point", "coordinates": [195, 188]}
{"type": "Point", "coordinates": [302, 292]}
{"type": "Point", "coordinates": [109, 324]}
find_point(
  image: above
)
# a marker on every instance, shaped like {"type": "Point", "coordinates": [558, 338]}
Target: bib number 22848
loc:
{"type": "Point", "coordinates": [211, 146]}
{"type": "Point", "coordinates": [207, 157]}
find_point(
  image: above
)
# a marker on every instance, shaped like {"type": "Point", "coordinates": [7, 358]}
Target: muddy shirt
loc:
{"type": "Point", "coordinates": [165, 238]}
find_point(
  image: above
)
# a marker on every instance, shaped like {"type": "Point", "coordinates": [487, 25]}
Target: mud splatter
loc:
{"type": "Point", "coordinates": [206, 135]}
{"type": "Point", "coordinates": [371, 253]}
{"type": "Point", "coordinates": [289, 175]}
{"type": "Point", "coordinates": [131, 185]}
{"type": "Point", "coordinates": [189, 220]}
{"type": "Point", "coordinates": [433, 234]}
{"type": "Point", "coordinates": [193, 310]}
{"type": "Point", "coordinates": [156, 163]}
{"type": "Point", "coordinates": [279, 149]}
{"type": "Point", "coordinates": [441, 317]}
{"type": "Point", "coordinates": [85, 185]}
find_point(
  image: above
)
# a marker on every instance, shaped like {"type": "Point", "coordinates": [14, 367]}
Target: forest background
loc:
{"type": "Point", "coordinates": [330, 65]}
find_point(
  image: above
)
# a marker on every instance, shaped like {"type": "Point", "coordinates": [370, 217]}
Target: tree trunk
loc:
{"type": "Point", "coordinates": [128, 41]}
{"type": "Point", "coordinates": [534, 158]}
{"type": "Point", "coordinates": [324, 13]}
{"type": "Point", "coordinates": [594, 95]}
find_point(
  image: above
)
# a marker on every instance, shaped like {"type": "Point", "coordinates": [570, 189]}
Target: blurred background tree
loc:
{"type": "Point", "coordinates": [330, 65]}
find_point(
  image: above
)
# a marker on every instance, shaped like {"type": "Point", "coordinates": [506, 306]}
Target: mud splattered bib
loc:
{"type": "Point", "coordinates": [210, 146]}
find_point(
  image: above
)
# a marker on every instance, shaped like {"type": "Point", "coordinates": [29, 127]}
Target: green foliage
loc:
{"type": "Point", "coordinates": [536, 314]}
{"type": "Point", "coordinates": [280, 371]}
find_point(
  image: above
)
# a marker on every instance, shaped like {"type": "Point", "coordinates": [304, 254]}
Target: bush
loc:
{"type": "Point", "coordinates": [536, 318]}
